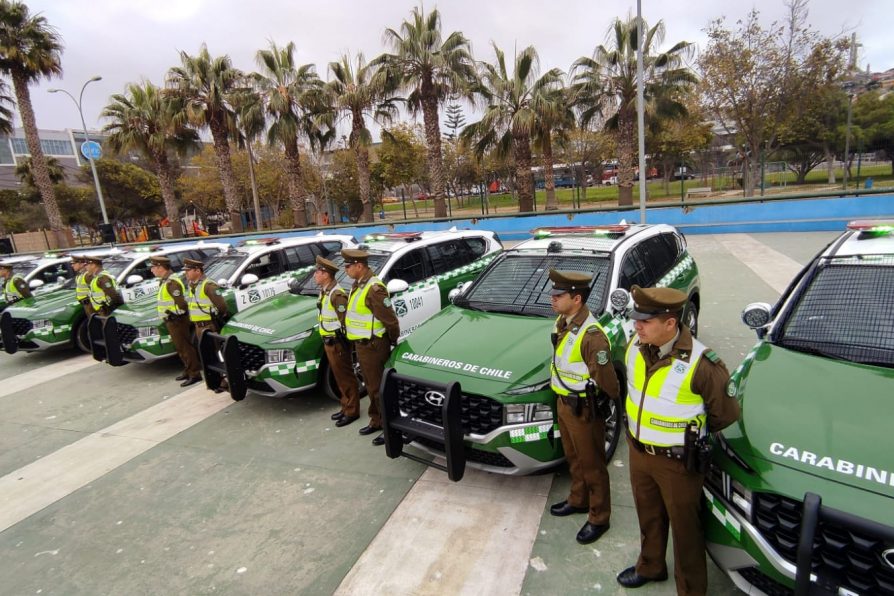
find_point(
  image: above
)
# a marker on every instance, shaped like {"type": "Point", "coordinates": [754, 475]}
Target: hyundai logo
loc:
{"type": "Point", "coordinates": [435, 398]}
{"type": "Point", "coordinates": [888, 557]}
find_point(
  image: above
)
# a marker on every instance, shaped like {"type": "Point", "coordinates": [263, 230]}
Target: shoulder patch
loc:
{"type": "Point", "coordinates": [387, 302]}
{"type": "Point", "coordinates": [602, 357]}
{"type": "Point", "coordinates": [175, 293]}
{"type": "Point", "coordinates": [712, 356]}
{"type": "Point", "coordinates": [341, 308]}
{"type": "Point", "coordinates": [107, 285]}
{"type": "Point", "coordinates": [731, 388]}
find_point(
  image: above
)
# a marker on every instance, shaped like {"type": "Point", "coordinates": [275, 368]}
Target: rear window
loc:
{"type": "Point", "coordinates": [846, 312]}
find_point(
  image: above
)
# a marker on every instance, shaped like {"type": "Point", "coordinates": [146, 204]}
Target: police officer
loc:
{"type": "Point", "coordinates": [206, 305]}
{"type": "Point", "coordinates": [174, 311]}
{"type": "Point", "coordinates": [333, 305]}
{"type": "Point", "coordinates": [373, 328]}
{"type": "Point", "coordinates": [675, 386]}
{"type": "Point", "coordinates": [15, 287]}
{"type": "Point", "coordinates": [82, 283]}
{"type": "Point", "coordinates": [582, 378]}
{"type": "Point", "coordinates": [104, 296]}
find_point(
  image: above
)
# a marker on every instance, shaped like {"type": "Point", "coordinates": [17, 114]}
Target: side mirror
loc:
{"type": "Point", "coordinates": [222, 282]}
{"type": "Point", "coordinates": [294, 286]}
{"type": "Point", "coordinates": [248, 279]}
{"type": "Point", "coordinates": [397, 285]}
{"type": "Point", "coordinates": [757, 316]}
{"type": "Point", "coordinates": [133, 280]}
{"type": "Point", "coordinates": [35, 283]}
{"type": "Point", "coordinates": [458, 291]}
{"type": "Point", "coordinates": [620, 301]}
{"type": "Point", "coordinates": [60, 279]}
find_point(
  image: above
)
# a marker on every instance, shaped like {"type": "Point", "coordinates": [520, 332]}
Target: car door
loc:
{"type": "Point", "coordinates": [147, 287]}
{"type": "Point", "coordinates": [422, 299]}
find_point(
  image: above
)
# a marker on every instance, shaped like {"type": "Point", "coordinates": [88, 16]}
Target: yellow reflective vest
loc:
{"type": "Point", "coordinates": [166, 304]}
{"type": "Point", "coordinates": [328, 317]}
{"type": "Point", "coordinates": [360, 323]}
{"type": "Point", "coordinates": [569, 371]}
{"type": "Point", "coordinates": [98, 298]}
{"type": "Point", "coordinates": [200, 306]}
{"type": "Point", "coordinates": [10, 291]}
{"type": "Point", "coordinates": [82, 286]}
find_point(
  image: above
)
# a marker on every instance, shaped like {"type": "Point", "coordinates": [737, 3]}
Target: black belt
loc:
{"type": "Point", "coordinates": [330, 340]}
{"type": "Point", "coordinates": [204, 323]}
{"type": "Point", "coordinates": [673, 452]}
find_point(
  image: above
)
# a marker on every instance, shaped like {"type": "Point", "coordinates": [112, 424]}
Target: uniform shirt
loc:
{"type": "Point", "coordinates": [376, 302]}
{"type": "Point", "coordinates": [339, 302]}
{"type": "Point", "coordinates": [593, 343]}
{"type": "Point", "coordinates": [709, 379]}
{"type": "Point", "coordinates": [176, 293]}
{"type": "Point", "coordinates": [211, 290]}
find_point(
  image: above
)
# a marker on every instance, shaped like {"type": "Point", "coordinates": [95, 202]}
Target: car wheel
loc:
{"type": "Point", "coordinates": [80, 339]}
{"type": "Point", "coordinates": [327, 378]}
{"type": "Point", "coordinates": [613, 428]}
{"type": "Point", "coordinates": [691, 318]}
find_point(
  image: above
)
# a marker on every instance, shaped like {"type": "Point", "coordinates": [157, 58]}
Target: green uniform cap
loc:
{"type": "Point", "coordinates": [160, 260]}
{"type": "Point", "coordinates": [651, 302]}
{"type": "Point", "coordinates": [326, 265]}
{"type": "Point", "coordinates": [567, 281]}
{"type": "Point", "coordinates": [353, 255]}
{"type": "Point", "coordinates": [193, 264]}
{"type": "Point", "coordinates": [89, 259]}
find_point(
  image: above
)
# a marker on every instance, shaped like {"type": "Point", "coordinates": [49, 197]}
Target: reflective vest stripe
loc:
{"type": "Point", "coordinates": [98, 298]}
{"type": "Point", "coordinates": [569, 371]}
{"type": "Point", "coordinates": [360, 323]}
{"type": "Point", "coordinates": [82, 288]}
{"type": "Point", "coordinates": [200, 306]}
{"type": "Point", "coordinates": [166, 302]}
{"type": "Point", "coordinates": [669, 403]}
{"type": "Point", "coordinates": [11, 292]}
{"type": "Point", "coordinates": [327, 317]}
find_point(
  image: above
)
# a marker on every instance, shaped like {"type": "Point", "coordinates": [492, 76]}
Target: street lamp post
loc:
{"type": "Point", "coordinates": [102, 204]}
{"type": "Point", "coordinates": [849, 87]}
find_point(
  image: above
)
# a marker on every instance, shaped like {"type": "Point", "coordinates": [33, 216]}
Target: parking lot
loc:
{"type": "Point", "coordinates": [117, 480]}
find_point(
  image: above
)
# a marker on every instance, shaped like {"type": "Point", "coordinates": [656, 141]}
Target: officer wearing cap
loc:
{"type": "Point", "coordinates": [173, 309]}
{"type": "Point", "coordinates": [82, 283]}
{"type": "Point", "coordinates": [206, 305]}
{"type": "Point", "coordinates": [372, 326]}
{"type": "Point", "coordinates": [104, 296]}
{"type": "Point", "coordinates": [675, 386]}
{"type": "Point", "coordinates": [15, 287]}
{"type": "Point", "coordinates": [582, 377]}
{"type": "Point", "coordinates": [333, 305]}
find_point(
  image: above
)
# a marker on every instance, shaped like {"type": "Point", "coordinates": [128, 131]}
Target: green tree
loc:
{"type": "Point", "coordinates": [31, 49]}
{"type": "Point", "coordinates": [251, 122]}
{"type": "Point", "coordinates": [131, 193]}
{"type": "Point", "coordinates": [606, 84]}
{"type": "Point", "coordinates": [147, 120]}
{"type": "Point", "coordinates": [25, 172]}
{"type": "Point", "coordinates": [456, 120]}
{"type": "Point", "coordinates": [432, 68]}
{"type": "Point", "coordinates": [402, 155]}
{"type": "Point", "coordinates": [205, 84]}
{"type": "Point", "coordinates": [513, 100]}
{"type": "Point", "coordinates": [675, 140]}
{"type": "Point", "coordinates": [554, 117]}
{"type": "Point", "coordinates": [874, 119]}
{"type": "Point", "coordinates": [293, 96]}
{"type": "Point", "coordinates": [358, 90]}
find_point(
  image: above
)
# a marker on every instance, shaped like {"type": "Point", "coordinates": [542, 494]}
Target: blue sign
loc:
{"type": "Point", "coordinates": [91, 150]}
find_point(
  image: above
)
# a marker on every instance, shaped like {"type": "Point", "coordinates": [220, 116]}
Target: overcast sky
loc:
{"type": "Point", "coordinates": [129, 40]}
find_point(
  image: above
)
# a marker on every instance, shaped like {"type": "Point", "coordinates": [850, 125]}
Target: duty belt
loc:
{"type": "Point", "coordinates": [330, 340]}
{"type": "Point", "coordinates": [673, 452]}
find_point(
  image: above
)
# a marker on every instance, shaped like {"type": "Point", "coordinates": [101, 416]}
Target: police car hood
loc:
{"type": "Point", "coordinates": [141, 312]}
{"type": "Point", "coordinates": [492, 352]}
{"type": "Point", "coordinates": [281, 316]}
{"type": "Point", "coordinates": [823, 417]}
{"type": "Point", "coordinates": [39, 307]}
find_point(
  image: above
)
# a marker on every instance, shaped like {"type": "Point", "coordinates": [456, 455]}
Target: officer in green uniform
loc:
{"type": "Point", "coordinates": [82, 283]}
{"type": "Point", "coordinates": [15, 287]}
{"type": "Point", "coordinates": [676, 394]}
{"type": "Point", "coordinates": [174, 311]}
{"type": "Point", "coordinates": [104, 296]}
{"type": "Point", "coordinates": [333, 305]}
{"type": "Point", "coordinates": [372, 327]}
{"type": "Point", "coordinates": [582, 377]}
{"type": "Point", "coordinates": [206, 305]}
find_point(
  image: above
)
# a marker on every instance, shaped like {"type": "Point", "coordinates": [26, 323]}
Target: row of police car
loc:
{"type": "Point", "coordinates": [801, 492]}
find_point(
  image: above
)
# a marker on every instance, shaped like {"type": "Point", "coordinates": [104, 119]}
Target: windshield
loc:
{"type": "Point", "coordinates": [305, 285]}
{"type": "Point", "coordinates": [520, 284]}
{"type": "Point", "coordinates": [846, 312]}
{"type": "Point", "coordinates": [223, 266]}
{"type": "Point", "coordinates": [115, 265]}
{"type": "Point", "coordinates": [23, 268]}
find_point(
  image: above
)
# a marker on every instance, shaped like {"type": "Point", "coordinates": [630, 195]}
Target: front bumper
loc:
{"type": "Point", "coordinates": [19, 334]}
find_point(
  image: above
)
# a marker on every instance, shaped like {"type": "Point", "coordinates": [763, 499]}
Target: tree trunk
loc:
{"type": "Point", "coordinates": [433, 140]}
{"type": "Point", "coordinates": [626, 134]}
{"type": "Point", "coordinates": [296, 184]}
{"type": "Point", "coordinates": [227, 178]}
{"type": "Point", "coordinates": [361, 154]}
{"type": "Point", "coordinates": [39, 169]}
{"type": "Point", "coordinates": [168, 194]}
{"type": "Point", "coordinates": [749, 176]}
{"type": "Point", "coordinates": [521, 144]}
{"type": "Point", "coordinates": [830, 164]}
{"type": "Point", "coordinates": [549, 178]}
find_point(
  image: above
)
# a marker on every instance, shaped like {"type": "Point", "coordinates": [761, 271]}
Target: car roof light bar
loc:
{"type": "Point", "coordinates": [605, 230]}
{"type": "Point", "coordinates": [259, 242]}
{"type": "Point", "coordinates": [407, 236]}
{"type": "Point", "coordinates": [872, 226]}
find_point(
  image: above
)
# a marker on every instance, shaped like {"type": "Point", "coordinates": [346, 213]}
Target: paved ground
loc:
{"type": "Point", "coordinates": [117, 481]}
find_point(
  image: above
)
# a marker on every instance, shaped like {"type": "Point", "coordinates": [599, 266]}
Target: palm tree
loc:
{"type": "Point", "coordinates": [24, 171]}
{"type": "Point", "coordinates": [205, 84]}
{"type": "Point", "coordinates": [431, 69]}
{"type": "Point", "coordinates": [146, 119]}
{"type": "Point", "coordinates": [607, 81]}
{"type": "Point", "coordinates": [554, 115]}
{"type": "Point", "coordinates": [359, 89]}
{"type": "Point", "coordinates": [30, 49]}
{"type": "Point", "coordinates": [251, 122]}
{"type": "Point", "coordinates": [511, 115]}
{"type": "Point", "coordinates": [293, 96]}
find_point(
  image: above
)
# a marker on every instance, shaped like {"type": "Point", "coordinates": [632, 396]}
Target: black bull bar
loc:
{"type": "Point", "coordinates": [8, 340]}
{"type": "Point", "coordinates": [222, 358]}
{"type": "Point", "coordinates": [398, 427]}
{"type": "Point", "coordinates": [105, 341]}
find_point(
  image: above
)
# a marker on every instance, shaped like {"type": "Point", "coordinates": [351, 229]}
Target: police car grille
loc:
{"type": "Point", "coordinates": [765, 584]}
{"type": "Point", "coordinates": [21, 326]}
{"type": "Point", "coordinates": [253, 357]}
{"type": "Point", "coordinates": [127, 333]}
{"type": "Point", "coordinates": [849, 557]}
{"type": "Point", "coordinates": [487, 458]}
{"type": "Point", "coordinates": [480, 415]}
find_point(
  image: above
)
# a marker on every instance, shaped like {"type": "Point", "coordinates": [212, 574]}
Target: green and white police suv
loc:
{"type": "Point", "coordinates": [473, 383]}
{"type": "Point", "coordinates": [275, 348]}
{"type": "Point", "coordinates": [57, 319]}
{"type": "Point", "coordinates": [248, 273]}
{"type": "Point", "coordinates": [800, 496]}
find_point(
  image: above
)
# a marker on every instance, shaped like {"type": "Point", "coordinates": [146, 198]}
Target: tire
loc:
{"type": "Point", "coordinates": [615, 425]}
{"type": "Point", "coordinates": [691, 317]}
{"type": "Point", "coordinates": [327, 379]}
{"type": "Point", "coordinates": [79, 337]}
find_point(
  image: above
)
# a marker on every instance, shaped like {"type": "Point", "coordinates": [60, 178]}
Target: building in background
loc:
{"type": "Point", "coordinates": [63, 145]}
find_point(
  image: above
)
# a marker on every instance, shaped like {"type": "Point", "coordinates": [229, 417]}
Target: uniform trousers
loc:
{"type": "Point", "coordinates": [584, 444]}
{"type": "Point", "coordinates": [372, 356]}
{"type": "Point", "coordinates": [339, 357]}
{"type": "Point", "coordinates": [666, 494]}
{"type": "Point", "coordinates": [178, 329]}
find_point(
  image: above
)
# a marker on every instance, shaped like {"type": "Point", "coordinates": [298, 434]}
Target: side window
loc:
{"type": "Point", "coordinates": [266, 265]}
{"type": "Point", "coordinates": [659, 257]}
{"type": "Point", "coordinates": [142, 269]}
{"type": "Point", "coordinates": [477, 247]}
{"type": "Point", "coordinates": [51, 274]}
{"type": "Point", "coordinates": [299, 256]}
{"type": "Point", "coordinates": [177, 260]}
{"type": "Point", "coordinates": [411, 268]}
{"type": "Point", "coordinates": [328, 248]}
{"type": "Point", "coordinates": [446, 256]}
{"type": "Point", "coordinates": [634, 269]}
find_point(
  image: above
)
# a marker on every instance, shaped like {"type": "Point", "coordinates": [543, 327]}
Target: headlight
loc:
{"type": "Point", "coordinates": [527, 389]}
{"type": "Point", "coordinates": [542, 412]}
{"type": "Point", "coordinates": [41, 324]}
{"type": "Point", "coordinates": [515, 414]}
{"type": "Point", "coordinates": [293, 338]}
{"type": "Point", "coordinates": [741, 497]}
{"type": "Point", "coordinates": [521, 413]}
{"type": "Point", "coordinates": [278, 356]}
{"type": "Point", "coordinates": [144, 332]}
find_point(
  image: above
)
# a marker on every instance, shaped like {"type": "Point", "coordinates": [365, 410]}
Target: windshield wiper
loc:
{"type": "Point", "coordinates": [814, 350]}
